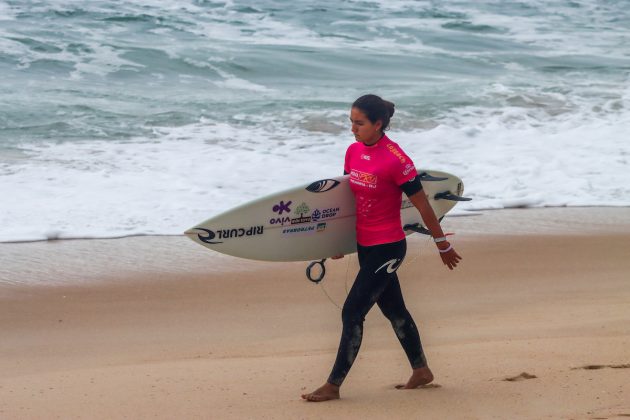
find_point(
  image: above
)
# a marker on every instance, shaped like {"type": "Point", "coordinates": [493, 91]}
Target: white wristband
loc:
{"type": "Point", "coordinates": [444, 251]}
{"type": "Point", "coordinates": [438, 240]}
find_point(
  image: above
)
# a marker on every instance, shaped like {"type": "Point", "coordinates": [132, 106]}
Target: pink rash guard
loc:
{"type": "Point", "coordinates": [376, 173]}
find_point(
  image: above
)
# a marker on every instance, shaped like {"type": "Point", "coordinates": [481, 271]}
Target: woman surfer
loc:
{"type": "Point", "coordinates": [379, 172]}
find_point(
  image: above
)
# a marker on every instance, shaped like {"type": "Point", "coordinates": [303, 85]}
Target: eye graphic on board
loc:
{"type": "Point", "coordinates": [322, 185]}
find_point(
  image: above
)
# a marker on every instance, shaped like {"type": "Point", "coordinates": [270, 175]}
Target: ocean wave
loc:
{"type": "Point", "coordinates": [144, 117]}
{"type": "Point", "coordinates": [184, 174]}
{"type": "Point", "coordinates": [6, 11]}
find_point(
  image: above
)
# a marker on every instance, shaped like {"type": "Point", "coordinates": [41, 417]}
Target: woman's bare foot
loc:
{"type": "Point", "coordinates": [325, 392]}
{"type": "Point", "coordinates": [419, 377]}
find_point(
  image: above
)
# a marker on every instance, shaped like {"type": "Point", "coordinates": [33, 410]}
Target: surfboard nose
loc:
{"type": "Point", "coordinates": [193, 234]}
{"type": "Point", "coordinates": [203, 235]}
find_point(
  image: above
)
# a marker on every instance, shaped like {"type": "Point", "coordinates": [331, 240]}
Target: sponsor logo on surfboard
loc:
{"type": "Point", "coordinates": [208, 235]}
{"type": "Point", "coordinates": [298, 230]}
{"type": "Point", "coordinates": [304, 230]}
{"type": "Point", "coordinates": [280, 220]}
{"type": "Point", "coordinates": [302, 209]}
{"type": "Point", "coordinates": [324, 214]}
{"type": "Point", "coordinates": [282, 207]}
{"type": "Point", "coordinates": [322, 185]}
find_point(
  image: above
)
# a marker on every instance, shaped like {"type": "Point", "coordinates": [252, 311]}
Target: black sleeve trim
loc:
{"type": "Point", "coordinates": [412, 186]}
{"type": "Point", "coordinates": [344, 172]}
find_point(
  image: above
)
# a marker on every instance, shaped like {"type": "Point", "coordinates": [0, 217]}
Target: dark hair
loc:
{"type": "Point", "coordinates": [375, 109]}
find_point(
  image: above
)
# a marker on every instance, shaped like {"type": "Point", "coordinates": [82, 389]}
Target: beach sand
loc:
{"type": "Point", "coordinates": [534, 324]}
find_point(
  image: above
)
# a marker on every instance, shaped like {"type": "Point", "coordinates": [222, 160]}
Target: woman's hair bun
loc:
{"type": "Point", "coordinates": [390, 107]}
{"type": "Point", "coordinates": [375, 109]}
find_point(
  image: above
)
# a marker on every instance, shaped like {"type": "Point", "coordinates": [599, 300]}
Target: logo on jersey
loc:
{"type": "Point", "coordinates": [396, 153]}
{"type": "Point", "coordinates": [391, 265]}
{"type": "Point", "coordinates": [408, 169]}
{"type": "Point", "coordinates": [363, 178]}
{"type": "Point", "coordinates": [366, 157]}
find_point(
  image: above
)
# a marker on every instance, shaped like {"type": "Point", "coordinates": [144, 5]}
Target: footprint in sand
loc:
{"type": "Point", "coordinates": [520, 377]}
{"type": "Point", "coordinates": [595, 367]}
{"type": "Point", "coordinates": [428, 386]}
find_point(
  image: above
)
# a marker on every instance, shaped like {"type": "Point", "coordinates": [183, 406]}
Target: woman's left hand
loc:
{"type": "Point", "coordinates": [450, 258]}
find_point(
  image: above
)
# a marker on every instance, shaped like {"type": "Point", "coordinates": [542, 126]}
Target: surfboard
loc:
{"type": "Point", "coordinates": [311, 221]}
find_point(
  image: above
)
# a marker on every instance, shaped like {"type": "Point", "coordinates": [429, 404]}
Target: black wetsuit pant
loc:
{"type": "Point", "coordinates": [376, 282]}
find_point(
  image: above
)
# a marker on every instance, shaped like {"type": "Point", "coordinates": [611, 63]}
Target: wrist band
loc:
{"type": "Point", "coordinates": [438, 240]}
{"type": "Point", "coordinates": [444, 251]}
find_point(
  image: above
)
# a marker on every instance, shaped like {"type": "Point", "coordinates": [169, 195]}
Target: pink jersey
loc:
{"type": "Point", "coordinates": [376, 173]}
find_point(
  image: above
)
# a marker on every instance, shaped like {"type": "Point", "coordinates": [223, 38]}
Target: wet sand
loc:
{"type": "Point", "coordinates": [534, 324]}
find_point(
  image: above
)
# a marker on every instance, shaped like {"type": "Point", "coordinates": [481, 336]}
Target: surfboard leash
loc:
{"type": "Point", "coordinates": [322, 267]}
{"type": "Point", "coordinates": [318, 279]}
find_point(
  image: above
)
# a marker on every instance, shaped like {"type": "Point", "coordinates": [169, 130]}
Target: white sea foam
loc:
{"type": "Point", "coordinates": [102, 61]}
{"type": "Point", "coordinates": [163, 186]}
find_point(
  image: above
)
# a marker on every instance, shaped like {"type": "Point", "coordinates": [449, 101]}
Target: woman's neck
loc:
{"type": "Point", "coordinates": [373, 142]}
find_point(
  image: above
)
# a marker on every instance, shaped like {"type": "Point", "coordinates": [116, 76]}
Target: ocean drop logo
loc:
{"type": "Point", "coordinates": [322, 186]}
{"type": "Point", "coordinates": [207, 239]}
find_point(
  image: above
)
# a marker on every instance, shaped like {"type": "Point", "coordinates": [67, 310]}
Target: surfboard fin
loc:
{"type": "Point", "coordinates": [416, 227]}
{"type": "Point", "coordinates": [447, 195]}
{"type": "Point", "coordinates": [426, 177]}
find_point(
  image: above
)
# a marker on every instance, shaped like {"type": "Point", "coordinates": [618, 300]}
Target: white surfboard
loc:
{"type": "Point", "coordinates": [309, 222]}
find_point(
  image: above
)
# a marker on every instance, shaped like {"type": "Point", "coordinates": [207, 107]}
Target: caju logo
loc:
{"type": "Point", "coordinates": [282, 207]}
{"type": "Point", "coordinates": [322, 185]}
{"type": "Point", "coordinates": [366, 157]}
{"type": "Point", "coordinates": [302, 209]}
{"type": "Point", "coordinates": [408, 169]}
